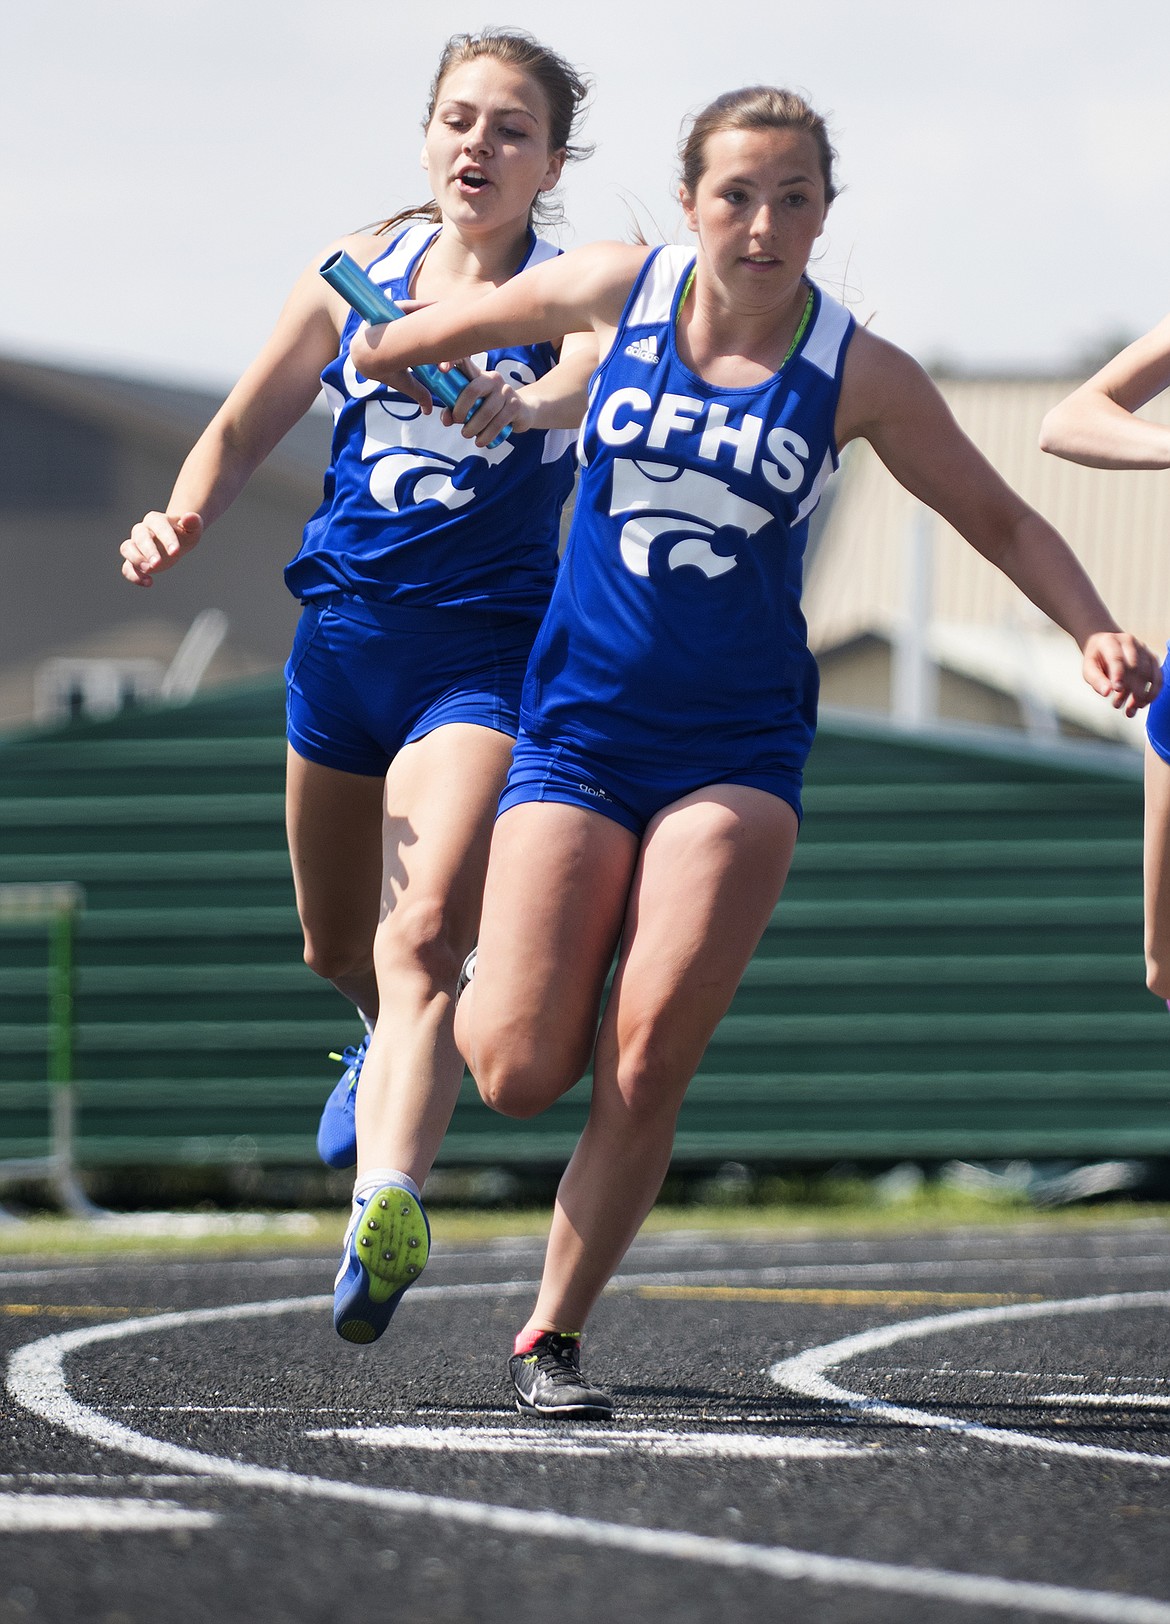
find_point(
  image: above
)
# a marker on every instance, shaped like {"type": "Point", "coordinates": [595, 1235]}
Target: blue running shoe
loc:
{"type": "Point", "coordinates": [386, 1249]}
{"type": "Point", "coordinates": [336, 1131]}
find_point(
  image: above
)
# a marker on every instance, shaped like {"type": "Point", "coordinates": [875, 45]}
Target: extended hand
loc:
{"type": "Point", "coordinates": [1122, 669]}
{"type": "Point", "coordinates": [156, 542]}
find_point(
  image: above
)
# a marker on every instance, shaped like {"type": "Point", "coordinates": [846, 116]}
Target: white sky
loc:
{"type": "Point", "coordinates": [170, 165]}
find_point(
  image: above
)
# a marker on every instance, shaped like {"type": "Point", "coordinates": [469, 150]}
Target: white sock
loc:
{"type": "Point", "coordinates": [365, 1188]}
{"type": "Point", "coordinates": [367, 1023]}
{"type": "Point", "coordinates": [377, 1176]}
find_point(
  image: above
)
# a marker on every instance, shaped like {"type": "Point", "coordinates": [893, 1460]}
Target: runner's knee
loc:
{"type": "Point", "coordinates": [651, 1072]}
{"type": "Point", "coordinates": [417, 939]}
{"type": "Point", "coordinates": [519, 1078]}
{"type": "Point", "coordinates": [1157, 970]}
{"type": "Point", "coordinates": [335, 954]}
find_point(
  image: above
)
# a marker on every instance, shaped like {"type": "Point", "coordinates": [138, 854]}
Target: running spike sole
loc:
{"type": "Point", "coordinates": [391, 1245]}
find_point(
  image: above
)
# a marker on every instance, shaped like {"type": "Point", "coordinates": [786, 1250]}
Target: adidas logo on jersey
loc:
{"type": "Point", "coordinates": [644, 349]}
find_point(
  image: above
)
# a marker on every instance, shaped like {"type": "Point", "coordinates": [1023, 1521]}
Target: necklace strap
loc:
{"type": "Point", "coordinates": [800, 331]}
{"type": "Point", "coordinates": [801, 328]}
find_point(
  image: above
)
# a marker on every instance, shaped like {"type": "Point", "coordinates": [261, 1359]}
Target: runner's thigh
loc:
{"type": "Point", "coordinates": [334, 824]}
{"type": "Point", "coordinates": [556, 893]}
{"type": "Point", "coordinates": [440, 799]}
{"type": "Point", "coordinates": [711, 872]}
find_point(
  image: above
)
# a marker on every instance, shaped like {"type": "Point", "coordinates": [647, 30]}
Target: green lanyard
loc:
{"type": "Point", "coordinates": [796, 337]}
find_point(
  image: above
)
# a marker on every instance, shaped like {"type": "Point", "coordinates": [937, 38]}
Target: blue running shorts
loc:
{"type": "Point", "coordinates": [1158, 715]}
{"type": "Point", "coordinates": [363, 679]}
{"type": "Point", "coordinates": [630, 793]}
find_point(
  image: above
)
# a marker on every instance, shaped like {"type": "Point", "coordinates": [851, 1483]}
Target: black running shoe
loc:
{"type": "Point", "coordinates": [548, 1381]}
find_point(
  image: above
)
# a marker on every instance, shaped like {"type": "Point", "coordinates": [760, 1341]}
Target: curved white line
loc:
{"type": "Point", "coordinates": [36, 1380]}
{"type": "Point", "coordinates": [804, 1374]}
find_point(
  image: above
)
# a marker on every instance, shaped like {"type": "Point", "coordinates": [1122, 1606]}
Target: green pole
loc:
{"type": "Point", "coordinates": [61, 993]}
{"type": "Point", "coordinates": [59, 903]}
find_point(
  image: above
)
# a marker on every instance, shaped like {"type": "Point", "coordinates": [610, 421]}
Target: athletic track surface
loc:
{"type": "Point", "coordinates": [968, 1426]}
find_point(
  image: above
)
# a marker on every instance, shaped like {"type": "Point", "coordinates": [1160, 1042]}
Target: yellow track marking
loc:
{"type": "Point", "coordinates": [61, 1310]}
{"type": "Point", "coordinates": [833, 1298]}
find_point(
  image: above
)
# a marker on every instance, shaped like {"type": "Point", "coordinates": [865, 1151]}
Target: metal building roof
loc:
{"type": "Point", "coordinates": [858, 579]}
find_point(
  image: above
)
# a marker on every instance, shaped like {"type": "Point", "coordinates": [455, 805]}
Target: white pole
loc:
{"type": "Point", "coordinates": [194, 654]}
{"type": "Point", "coordinates": [914, 683]}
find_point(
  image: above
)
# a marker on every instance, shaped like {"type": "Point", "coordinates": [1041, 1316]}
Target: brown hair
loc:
{"type": "Point", "coordinates": [756, 107]}
{"type": "Point", "coordinates": [565, 90]}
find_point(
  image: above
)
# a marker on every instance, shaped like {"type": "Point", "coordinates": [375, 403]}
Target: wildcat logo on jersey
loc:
{"type": "Point", "coordinates": [677, 501]}
{"type": "Point", "coordinates": [418, 458]}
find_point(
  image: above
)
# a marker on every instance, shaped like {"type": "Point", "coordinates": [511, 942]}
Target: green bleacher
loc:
{"type": "Point", "coordinates": [955, 969]}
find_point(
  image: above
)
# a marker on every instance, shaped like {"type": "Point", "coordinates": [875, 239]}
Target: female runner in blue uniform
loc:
{"type": "Point", "coordinates": [423, 577]}
{"type": "Point", "coordinates": [1095, 425]}
{"type": "Point", "coordinates": [654, 798]}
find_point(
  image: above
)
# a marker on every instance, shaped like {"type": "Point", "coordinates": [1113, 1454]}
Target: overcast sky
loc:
{"type": "Point", "coordinates": [171, 165]}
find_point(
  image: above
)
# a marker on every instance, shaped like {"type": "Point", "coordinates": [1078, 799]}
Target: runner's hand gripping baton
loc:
{"type": "Point", "coordinates": [346, 276]}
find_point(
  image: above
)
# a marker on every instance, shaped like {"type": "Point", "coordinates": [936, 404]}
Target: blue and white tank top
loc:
{"type": "Point", "coordinates": [675, 630]}
{"type": "Point", "coordinates": [415, 514]}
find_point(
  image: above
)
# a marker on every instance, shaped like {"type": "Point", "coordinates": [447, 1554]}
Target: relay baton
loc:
{"type": "Point", "coordinates": [346, 276]}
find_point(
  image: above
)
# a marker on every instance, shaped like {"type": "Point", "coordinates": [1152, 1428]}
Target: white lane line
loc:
{"type": "Point", "coordinates": [186, 1271]}
{"type": "Point", "coordinates": [775, 1274]}
{"type": "Point", "coordinates": [804, 1374]}
{"type": "Point", "coordinates": [162, 1261]}
{"type": "Point", "coordinates": [572, 1440]}
{"type": "Point", "coordinates": [60, 1513]}
{"type": "Point", "coordinates": [210, 1409]}
{"type": "Point", "coordinates": [945, 1268]}
{"type": "Point", "coordinates": [1107, 1401]}
{"type": "Point", "coordinates": [480, 1414]}
{"type": "Point", "coordinates": [946, 1369]}
{"type": "Point", "coordinates": [56, 1479]}
{"type": "Point", "coordinates": [728, 1418]}
{"type": "Point", "coordinates": [36, 1380]}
